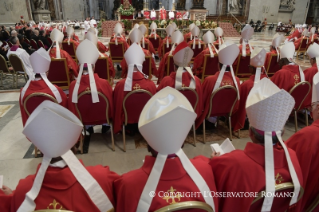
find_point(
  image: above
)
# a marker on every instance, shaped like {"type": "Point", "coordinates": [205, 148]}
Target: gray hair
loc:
{"type": "Point", "coordinates": [14, 33]}
{"type": "Point", "coordinates": [14, 40]}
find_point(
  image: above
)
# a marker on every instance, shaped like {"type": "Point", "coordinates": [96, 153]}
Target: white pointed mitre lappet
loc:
{"type": "Point", "coordinates": [313, 52]}
{"type": "Point", "coordinates": [190, 27]}
{"type": "Point", "coordinates": [153, 29]}
{"type": "Point", "coordinates": [288, 51]}
{"type": "Point", "coordinates": [143, 29]}
{"type": "Point", "coordinates": [227, 54]}
{"type": "Point", "coordinates": [315, 88]}
{"type": "Point", "coordinates": [209, 40]}
{"type": "Point", "coordinates": [134, 57]}
{"type": "Point", "coordinates": [182, 56]}
{"type": "Point", "coordinates": [40, 61]}
{"type": "Point", "coordinates": [136, 36]}
{"type": "Point", "coordinates": [57, 37]}
{"type": "Point", "coordinates": [169, 31]}
{"type": "Point", "coordinates": [195, 32]}
{"type": "Point", "coordinates": [69, 31]}
{"type": "Point", "coordinates": [177, 38]}
{"type": "Point", "coordinates": [268, 109]}
{"type": "Point", "coordinates": [39, 130]}
{"type": "Point", "coordinates": [93, 38]}
{"type": "Point", "coordinates": [257, 59]}
{"type": "Point", "coordinates": [164, 123]}
{"type": "Point", "coordinates": [88, 54]}
{"type": "Point", "coordinates": [276, 41]}
{"type": "Point", "coordinates": [246, 35]}
{"type": "Point", "coordinates": [219, 33]}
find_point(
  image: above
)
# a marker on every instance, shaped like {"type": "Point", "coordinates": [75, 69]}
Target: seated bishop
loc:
{"type": "Point", "coordinates": [92, 37]}
{"type": "Point", "coordinates": [87, 54]}
{"type": "Point", "coordinates": [118, 30]}
{"type": "Point", "coordinates": [245, 48]}
{"type": "Point", "coordinates": [313, 36]}
{"type": "Point", "coordinates": [167, 40]}
{"type": "Point", "coordinates": [295, 34]}
{"type": "Point", "coordinates": [143, 29]}
{"type": "Point", "coordinates": [306, 144]}
{"type": "Point", "coordinates": [102, 48]}
{"type": "Point", "coordinates": [136, 37]}
{"type": "Point", "coordinates": [274, 48]}
{"type": "Point", "coordinates": [136, 79]}
{"type": "Point", "coordinates": [183, 76]}
{"type": "Point", "coordinates": [210, 50]}
{"type": "Point", "coordinates": [61, 181]}
{"type": "Point", "coordinates": [153, 34]}
{"type": "Point", "coordinates": [267, 155]}
{"type": "Point", "coordinates": [72, 38]}
{"type": "Point", "coordinates": [39, 83]}
{"type": "Point", "coordinates": [164, 123]}
{"type": "Point", "coordinates": [188, 36]}
{"type": "Point", "coordinates": [58, 53]}
{"type": "Point", "coordinates": [290, 73]}
{"type": "Point", "coordinates": [219, 33]}
{"type": "Point", "coordinates": [195, 32]}
{"type": "Point", "coordinates": [305, 35]}
{"type": "Point", "coordinates": [177, 38]}
{"type": "Point", "coordinates": [227, 54]}
{"type": "Point", "coordinates": [257, 71]}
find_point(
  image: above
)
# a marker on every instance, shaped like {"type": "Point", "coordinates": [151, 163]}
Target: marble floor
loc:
{"type": "Point", "coordinates": [16, 152]}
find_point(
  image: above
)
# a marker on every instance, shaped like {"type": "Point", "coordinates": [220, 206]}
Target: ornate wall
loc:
{"type": "Point", "coordinates": [10, 11]}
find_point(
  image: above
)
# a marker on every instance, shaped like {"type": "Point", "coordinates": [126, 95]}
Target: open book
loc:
{"type": "Point", "coordinates": [225, 147]}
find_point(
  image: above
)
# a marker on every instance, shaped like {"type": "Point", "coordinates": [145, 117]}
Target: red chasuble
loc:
{"type": "Point", "coordinates": [61, 189]}
{"type": "Point", "coordinates": [187, 35]}
{"type": "Point", "coordinates": [102, 86]}
{"type": "Point", "coordinates": [120, 39]}
{"type": "Point", "coordinates": [297, 43]}
{"type": "Point", "coordinates": [240, 52]}
{"type": "Point", "coordinates": [306, 144]}
{"type": "Point", "coordinates": [160, 48]}
{"type": "Point", "coordinates": [111, 66]}
{"type": "Point", "coordinates": [244, 171]}
{"type": "Point", "coordinates": [73, 67]}
{"type": "Point", "coordinates": [162, 67]}
{"type": "Point", "coordinates": [268, 56]}
{"type": "Point", "coordinates": [76, 43]}
{"type": "Point", "coordinates": [39, 87]}
{"type": "Point", "coordinates": [238, 119]}
{"type": "Point", "coordinates": [157, 37]}
{"type": "Point", "coordinates": [186, 79]}
{"type": "Point", "coordinates": [309, 73]}
{"type": "Point", "coordinates": [199, 60]}
{"type": "Point", "coordinates": [208, 87]}
{"type": "Point", "coordinates": [139, 82]}
{"type": "Point", "coordinates": [150, 45]}
{"type": "Point", "coordinates": [163, 14]}
{"type": "Point", "coordinates": [125, 68]}
{"type": "Point", "coordinates": [5, 202]}
{"type": "Point", "coordinates": [101, 47]}
{"type": "Point", "coordinates": [129, 187]}
{"type": "Point", "coordinates": [296, 34]}
{"type": "Point", "coordinates": [287, 77]}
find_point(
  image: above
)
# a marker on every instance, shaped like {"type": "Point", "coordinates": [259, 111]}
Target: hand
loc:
{"type": "Point", "coordinates": [6, 190]}
{"type": "Point", "coordinates": [215, 154]}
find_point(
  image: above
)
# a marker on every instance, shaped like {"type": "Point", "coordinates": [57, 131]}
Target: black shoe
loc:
{"type": "Point", "coordinates": [90, 130]}
{"type": "Point", "coordinates": [105, 128]}
{"type": "Point", "coordinates": [86, 144]}
{"type": "Point", "coordinates": [119, 68]}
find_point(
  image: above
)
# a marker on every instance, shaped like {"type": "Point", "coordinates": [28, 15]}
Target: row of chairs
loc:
{"type": "Point", "coordinates": [305, 43]}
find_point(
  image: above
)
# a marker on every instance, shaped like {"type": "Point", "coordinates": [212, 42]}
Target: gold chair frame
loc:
{"type": "Point", "coordinates": [313, 205]}
{"type": "Point", "coordinates": [168, 64]}
{"type": "Point", "coordinates": [196, 44]}
{"type": "Point", "coordinates": [195, 106]}
{"type": "Point", "coordinates": [302, 50]}
{"type": "Point", "coordinates": [280, 187]}
{"type": "Point", "coordinates": [204, 66]}
{"type": "Point", "coordinates": [35, 43]}
{"type": "Point", "coordinates": [186, 205]}
{"type": "Point", "coordinates": [146, 44]}
{"type": "Point", "coordinates": [163, 47]}
{"type": "Point", "coordinates": [237, 67]}
{"type": "Point", "coordinates": [71, 43]}
{"type": "Point", "coordinates": [7, 71]}
{"type": "Point", "coordinates": [116, 60]}
{"type": "Point", "coordinates": [156, 49]}
{"type": "Point", "coordinates": [125, 112]}
{"type": "Point", "coordinates": [28, 113]}
{"type": "Point", "coordinates": [67, 74]}
{"type": "Point", "coordinates": [107, 69]}
{"type": "Point", "coordinates": [107, 116]}
{"type": "Point", "coordinates": [150, 66]}
{"type": "Point", "coordinates": [52, 210]}
{"type": "Point", "coordinates": [18, 73]}
{"type": "Point", "coordinates": [229, 115]}
{"type": "Point", "coordinates": [40, 42]}
{"type": "Point", "coordinates": [299, 106]}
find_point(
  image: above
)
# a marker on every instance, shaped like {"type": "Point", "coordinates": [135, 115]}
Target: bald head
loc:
{"type": "Point", "coordinates": [36, 32]}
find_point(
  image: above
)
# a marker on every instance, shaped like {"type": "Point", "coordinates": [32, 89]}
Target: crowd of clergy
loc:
{"type": "Point", "coordinates": [63, 182]}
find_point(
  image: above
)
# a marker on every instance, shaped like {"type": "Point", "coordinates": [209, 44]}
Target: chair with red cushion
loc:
{"type": "Point", "coordinates": [299, 92]}
{"type": "Point", "coordinates": [133, 105]}
{"type": "Point", "coordinates": [281, 200]}
{"type": "Point", "coordinates": [27, 40]}
{"type": "Point", "coordinates": [70, 49]}
{"type": "Point", "coordinates": [94, 113]}
{"type": "Point", "coordinates": [242, 69]}
{"type": "Point", "coordinates": [224, 106]}
{"type": "Point", "coordinates": [146, 46]}
{"type": "Point", "coordinates": [10, 44]}
{"type": "Point", "coordinates": [34, 44]}
{"type": "Point", "coordinates": [147, 66]}
{"type": "Point", "coordinates": [302, 48]}
{"type": "Point", "coordinates": [18, 68]}
{"type": "Point", "coordinates": [116, 52]}
{"type": "Point", "coordinates": [40, 44]}
{"type": "Point", "coordinates": [59, 73]}
{"type": "Point", "coordinates": [155, 43]}
{"type": "Point", "coordinates": [5, 70]}
{"type": "Point", "coordinates": [102, 68]}
{"type": "Point", "coordinates": [165, 49]}
{"type": "Point", "coordinates": [49, 40]}
{"type": "Point", "coordinates": [211, 66]}
{"type": "Point", "coordinates": [192, 96]}
{"type": "Point", "coordinates": [188, 39]}
{"type": "Point", "coordinates": [170, 67]}
{"type": "Point", "coordinates": [4, 43]}
{"type": "Point", "coordinates": [272, 66]}
{"type": "Point", "coordinates": [32, 101]}
{"type": "Point", "coordinates": [197, 50]}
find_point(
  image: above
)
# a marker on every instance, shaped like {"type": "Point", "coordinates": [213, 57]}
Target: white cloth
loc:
{"type": "Point", "coordinates": [92, 23]}
{"type": "Point", "coordinates": [171, 15]}
{"type": "Point", "coordinates": [86, 26]}
{"type": "Point", "coordinates": [153, 14]}
{"type": "Point", "coordinates": [25, 58]}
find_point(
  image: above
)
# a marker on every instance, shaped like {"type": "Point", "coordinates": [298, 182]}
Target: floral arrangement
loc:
{"type": "Point", "coordinates": [198, 23]}
{"type": "Point", "coordinates": [99, 27]}
{"type": "Point", "coordinates": [163, 23]}
{"type": "Point", "coordinates": [126, 12]}
{"type": "Point", "coordinates": [208, 25]}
